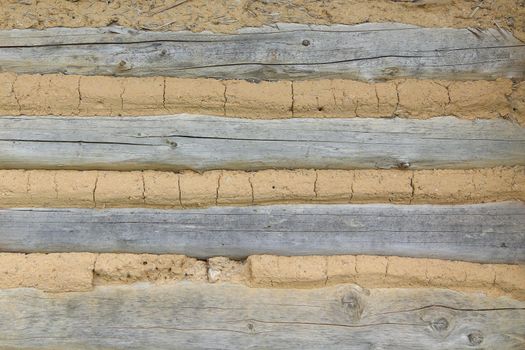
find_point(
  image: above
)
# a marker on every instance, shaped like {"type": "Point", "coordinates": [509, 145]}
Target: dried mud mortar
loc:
{"type": "Point", "coordinates": [159, 189]}
{"type": "Point", "coordinates": [228, 16]}
{"type": "Point", "coordinates": [82, 271]}
{"type": "Point", "coordinates": [55, 94]}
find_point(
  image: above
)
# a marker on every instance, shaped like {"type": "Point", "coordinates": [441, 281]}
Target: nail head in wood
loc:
{"type": "Point", "coordinates": [124, 65]}
{"type": "Point", "coordinates": [172, 144]}
{"type": "Point", "coordinates": [404, 165]}
{"type": "Point", "coordinates": [441, 324]}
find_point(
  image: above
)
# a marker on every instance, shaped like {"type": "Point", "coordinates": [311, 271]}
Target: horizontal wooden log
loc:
{"type": "Point", "coordinates": [204, 143]}
{"type": "Point", "coordinates": [371, 51]}
{"type": "Point", "coordinates": [480, 233]}
{"type": "Point", "coordinates": [225, 316]}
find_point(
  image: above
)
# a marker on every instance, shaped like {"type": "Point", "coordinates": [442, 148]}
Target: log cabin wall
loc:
{"type": "Point", "coordinates": [262, 174]}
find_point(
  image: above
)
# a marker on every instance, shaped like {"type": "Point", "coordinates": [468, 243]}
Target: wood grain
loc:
{"type": "Point", "coordinates": [371, 51]}
{"type": "Point", "coordinates": [225, 316]}
{"type": "Point", "coordinates": [480, 233]}
{"type": "Point", "coordinates": [205, 143]}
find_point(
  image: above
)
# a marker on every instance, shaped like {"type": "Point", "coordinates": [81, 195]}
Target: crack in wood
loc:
{"type": "Point", "coordinates": [370, 54]}
{"type": "Point", "coordinates": [208, 143]}
{"type": "Point", "coordinates": [185, 314]}
{"type": "Point", "coordinates": [457, 232]}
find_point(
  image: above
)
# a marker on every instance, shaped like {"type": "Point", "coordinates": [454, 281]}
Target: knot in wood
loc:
{"type": "Point", "coordinates": [391, 71]}
{"type": "Point", "coordinates": [352, 305]}
{"type": "Point", "coordinates": [351, 302]}
{"type": "Point", "coordinates": [306, 42]}
{"type": "Point", "coordinates": [441, 324]}
{"type": "Point", "coordinates": [475, 338]}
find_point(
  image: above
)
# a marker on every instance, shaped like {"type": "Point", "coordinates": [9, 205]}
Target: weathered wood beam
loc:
{"type": "Point", "coordinates": [371, 51]}
{"type": "Point", "coordinates": [226, 316]}
{"type": "Point", "coordinates": [204, 143]}
{"type": "Point", "coordinates": [480, 233]}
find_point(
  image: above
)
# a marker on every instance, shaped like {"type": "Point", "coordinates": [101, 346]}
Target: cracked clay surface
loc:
{"type": "Point", "coordinates": [67, 272]}
{"type": "Point", "coordinates": [56, 94]}
{"type": "Point", "coordinates": [163, 189]}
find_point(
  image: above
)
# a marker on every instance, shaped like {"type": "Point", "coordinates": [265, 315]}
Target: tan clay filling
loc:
{"type": "Point", "coordinates": [70, 188]}
{"type": "Point", "coordinates": [81, 271]}
{"type": "Point", "coordinates": [97, 95]}
{"type": "Point", "coordinates": [228, 16]}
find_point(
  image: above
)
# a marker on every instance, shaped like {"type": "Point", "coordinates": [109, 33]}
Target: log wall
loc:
{"type": "Point", "coordinates": [360, 143]}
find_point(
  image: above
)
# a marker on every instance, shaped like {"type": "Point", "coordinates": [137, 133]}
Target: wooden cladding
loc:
{"type": "Point", "coordinates": [370, 51]}
{"type": "Point", "coordinates": [221, 316]}
{"type": "Point", "coordinates": [205, 143]}
{"type": "Point", "coordinates": [480, 233]}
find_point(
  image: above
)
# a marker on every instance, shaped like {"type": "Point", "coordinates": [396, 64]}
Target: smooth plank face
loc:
{"type": "Point", "coordinates": [225, 316]}
{"type": "Point", "coordinates": [482, 233]}
{"type": "Point", "coordinates": [372, 51]}
{"type": "Point", "coordinates": [205, 143]}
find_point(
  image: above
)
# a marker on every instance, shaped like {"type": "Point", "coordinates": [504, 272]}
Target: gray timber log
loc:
{"type": "Point", "coordinates": [226, 316]}
{"type": "Point", "coordinates": [482, 233]}
{"type": "Point", "coordinates": [204, 143]}
{"type": "Point", "coordinates": [371, 51]}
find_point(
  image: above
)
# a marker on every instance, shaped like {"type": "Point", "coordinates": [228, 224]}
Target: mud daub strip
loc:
{"type": "Point", "coordinates": [199, 15]}
{"type": "Point", "coordinates": [65, 272]}
{"type": "Point", "coordinates": [98, 95]}
{"type": "Point", "coordinates": [85, 189]}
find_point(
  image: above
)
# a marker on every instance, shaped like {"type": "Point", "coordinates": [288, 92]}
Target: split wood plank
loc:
{"type": "Point", "coordinates": [226, 316]}
{"type": "Point", "coordinates": [371, 51]}
{"type": "Point", "coordinates": [488, 233]}
{"type": "Point", "coordinates": [206, 143]}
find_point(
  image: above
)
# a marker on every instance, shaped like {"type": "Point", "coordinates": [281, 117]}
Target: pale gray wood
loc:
{"type": "Point", "coordinates": [226, 316]}
{"type": "Point", "coordinates": [481, 233]}
{"type": "Point", "coordinates": [370, 51]}
{"type": "Point", "coordinates": [204, 143]}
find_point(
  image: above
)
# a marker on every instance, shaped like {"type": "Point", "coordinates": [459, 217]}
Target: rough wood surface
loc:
{"type": "Point", "coordinates": [369, 51]}
{"type": "Point", "coordinates": [481, 233]}
{"type": "Point", "coordinates": [224, 316]}
{"type": "Point", "coordinates": [203, 143]}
